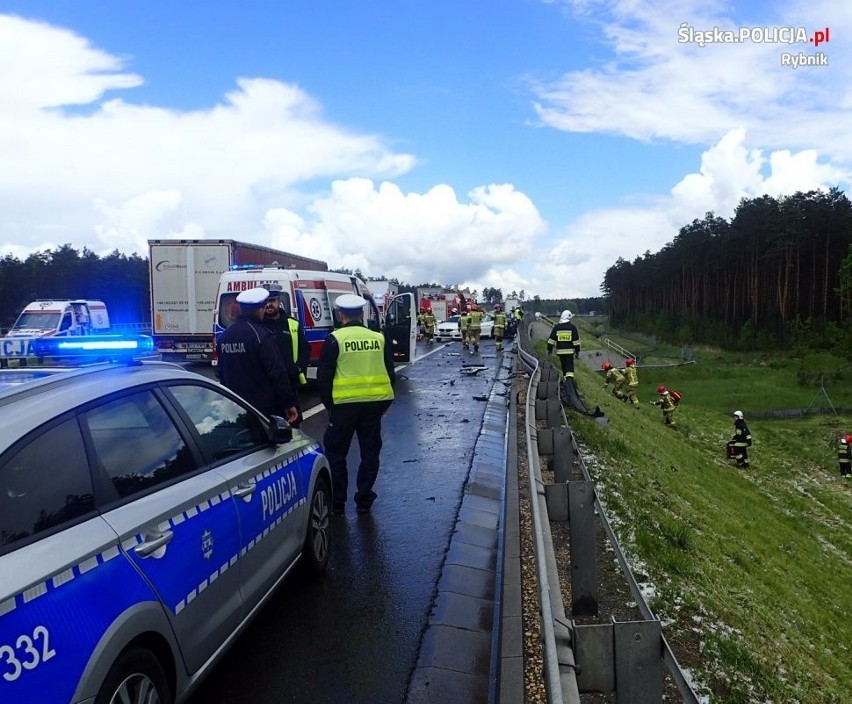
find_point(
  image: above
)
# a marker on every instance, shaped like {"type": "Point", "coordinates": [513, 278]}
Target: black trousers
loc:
{"type": "Point", "coordinates": [344, 421]}
{"type": "Point", "coordinates": [567, 362]}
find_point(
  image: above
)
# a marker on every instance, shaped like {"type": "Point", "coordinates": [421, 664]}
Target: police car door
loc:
{"type": "Point", "coordinates": [176, 520]}
{"type": "Point", "coordinates": [270, 483]}
{"type": "Point", "coordinates": [400, 328]}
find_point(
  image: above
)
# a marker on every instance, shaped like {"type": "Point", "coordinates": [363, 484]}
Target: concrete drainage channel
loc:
{"type": "Point", "coordinates": [622, 659]}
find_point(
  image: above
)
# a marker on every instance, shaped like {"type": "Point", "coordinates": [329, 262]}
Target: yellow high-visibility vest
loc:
{"type": "Point", "coordinates": [294, 341]}
{"type": "Point", "coordinates": [360, 374]}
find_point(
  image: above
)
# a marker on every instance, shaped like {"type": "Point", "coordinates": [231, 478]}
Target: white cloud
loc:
{"type": "Point", "coordinates": [416, 237]}
{"type": "Point", "coordinates": [119, 173]}
{"type": "Point", "coordinates": [656, 87]}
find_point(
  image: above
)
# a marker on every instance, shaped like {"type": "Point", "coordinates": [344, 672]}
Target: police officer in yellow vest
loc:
{"type": "Point", "coordinates": [355, 375]}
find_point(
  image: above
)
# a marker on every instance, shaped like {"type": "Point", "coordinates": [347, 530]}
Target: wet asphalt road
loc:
{"type": "Point", "coordinates": [353, 636]}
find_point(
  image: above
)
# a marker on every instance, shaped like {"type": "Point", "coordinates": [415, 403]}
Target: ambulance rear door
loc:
{"type": "Point", "coordinates": [400, 328]}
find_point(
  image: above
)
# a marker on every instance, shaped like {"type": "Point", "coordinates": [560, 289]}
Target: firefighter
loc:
{"type": "Point", "coordinates": [631, 379]}
{"type": "Point", "coordinates": [499, 326]}
{"type": "Point", "coordinates": [667, 405]}
{"type": "Point", "coordinates": [844, 456]}
{"type": "Point", "coordinates": [565, 338]}
{"type": "Point", "coordinates": [616, 378]}
{"type": "Point", "coordinates": [741, 441]}
{"type": "Point", "coordinates": [356, 376]}
{"type": "Point", "coordinates": [474, 326]}
{"type": "Point", "coordinates": [463, 327]}
{"type": "Point", "coordinates": [421, 326]}
{"type": "Point", "coordinates": [429, 324]}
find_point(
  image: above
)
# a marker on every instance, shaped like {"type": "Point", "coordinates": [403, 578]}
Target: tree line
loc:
{"type": "Point", "coordinates": [777, 274]}
{"type": "Point", "coordinates": [122, 282]}
{"type": "Point", "coordinates": [118, 280]}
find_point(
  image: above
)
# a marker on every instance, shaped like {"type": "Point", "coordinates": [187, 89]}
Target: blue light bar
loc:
{"type": "Point", "coordinates": [246, 267]}
{"type": "Point", "coordinates": [94, 346]}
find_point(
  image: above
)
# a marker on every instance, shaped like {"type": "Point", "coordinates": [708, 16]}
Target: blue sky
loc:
{"type": "Point", "coordinates": [520, 144]}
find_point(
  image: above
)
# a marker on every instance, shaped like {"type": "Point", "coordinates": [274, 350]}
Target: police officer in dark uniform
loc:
{"type": "Point", "coordinates": [250, 363]}
{"type": "Point", "coordinates": [278, 323]}
{"type": "Point", "coordinates": [356, 377]}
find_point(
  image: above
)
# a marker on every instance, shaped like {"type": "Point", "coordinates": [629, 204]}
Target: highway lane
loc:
{"type": "Point", "coordinates": [354, 635]}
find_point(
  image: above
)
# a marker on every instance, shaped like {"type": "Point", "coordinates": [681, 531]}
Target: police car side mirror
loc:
{"type": "Point", "coordinates": [279, 431]}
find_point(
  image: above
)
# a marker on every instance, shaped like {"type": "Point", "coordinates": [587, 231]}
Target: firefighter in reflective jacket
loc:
{"type": "Point", "coordinates": [499, 326]}
{"type": "Point", "coordinates": [463, 328]}
{"type": "Point", "coordinates": [474, 327]}
{"type": "Point", "coordinates": [356, 376]}
{"type": "Point", "coordinates": [250, 363]}
{"type": "Point", "coordinates": [429, 324]}
{"type": "Point", "coordinates": [566, 339]}
{"type": "Point", "coordinates": [616, 378]}
{"type": "Point", "coordinates": [844, 456]}
{"type": "Point", "coordinates": [741, 440]}
{"type": "Point", "coordinates": [631, 381]}
{"type": "Point", "coordinates": [668, 406]}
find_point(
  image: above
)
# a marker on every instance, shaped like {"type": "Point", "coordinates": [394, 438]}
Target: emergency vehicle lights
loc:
{"type": "Point", "coordinates": [93, 345]}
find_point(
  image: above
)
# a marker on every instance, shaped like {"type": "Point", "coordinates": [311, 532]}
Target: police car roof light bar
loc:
{"type": "Point", "coordinates": [90, 346]}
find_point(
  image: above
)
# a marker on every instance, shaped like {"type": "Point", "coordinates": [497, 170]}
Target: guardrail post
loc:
{"type": "Point", "coordinates": [554, 412]}
{"type": "Point", "coordinates": [582, 533]}
{"type": "Point", "coordinates": [563, 454]}
{"type": "Point", "coordinates": [545, 442]}
{"type": "Point", "coordinates": [638, 662]}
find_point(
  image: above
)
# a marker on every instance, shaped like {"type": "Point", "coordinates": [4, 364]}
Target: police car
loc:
{"type": "Point", "coordinates": [145, 515]}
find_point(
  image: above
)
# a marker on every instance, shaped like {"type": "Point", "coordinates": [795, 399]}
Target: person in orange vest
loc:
{"type": "Point", "coordinates": [355, 375]}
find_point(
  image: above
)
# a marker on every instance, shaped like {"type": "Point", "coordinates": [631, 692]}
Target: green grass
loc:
{"type": "Point", "coordinates": [760, 562]}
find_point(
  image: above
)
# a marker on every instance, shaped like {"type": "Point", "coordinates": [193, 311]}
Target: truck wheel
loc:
{"type": "Point", "coordinates": [137, 676]}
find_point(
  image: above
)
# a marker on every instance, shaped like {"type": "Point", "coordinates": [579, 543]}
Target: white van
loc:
{"type": "Point", "coordinates": [310, 296]}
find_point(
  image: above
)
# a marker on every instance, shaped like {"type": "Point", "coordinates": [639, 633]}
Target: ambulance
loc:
{"type": "Point", "coordinates": [47, 318]}
{"type": "Point", "coordinates": [310, 297]}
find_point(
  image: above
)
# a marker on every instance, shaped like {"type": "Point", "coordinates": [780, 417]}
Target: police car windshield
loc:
{"type": "Point", "coordinates": [41, 320]}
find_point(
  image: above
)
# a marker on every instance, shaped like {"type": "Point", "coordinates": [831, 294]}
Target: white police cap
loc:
{"type": "Point", "coordinates": [350, 302]}
{"type": "Point", "coordinates": [253, 297]}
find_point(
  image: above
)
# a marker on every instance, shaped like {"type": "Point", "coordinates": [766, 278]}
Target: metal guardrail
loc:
{"type": "Point", "coordinates": [561, 686]}
{"type": "Point", "coordinates": [564, 689]}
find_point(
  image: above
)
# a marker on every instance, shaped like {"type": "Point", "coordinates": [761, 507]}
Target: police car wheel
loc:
{"type": "Point", "coordinates": [317, 547]}
{"type": "Point", "coordinates": [137, 676]}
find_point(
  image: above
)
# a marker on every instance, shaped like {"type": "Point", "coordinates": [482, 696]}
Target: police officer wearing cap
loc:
{"type": "Point", "coordinates": [250, 363]}
{"type": "Point", "coordinates": [291, 341]}
{"type": "Point", "coordinates": [356, 377]}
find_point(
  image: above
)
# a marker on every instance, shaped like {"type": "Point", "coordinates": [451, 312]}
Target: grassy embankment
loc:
{"type": "Point", "coordinates": [751, 571]}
